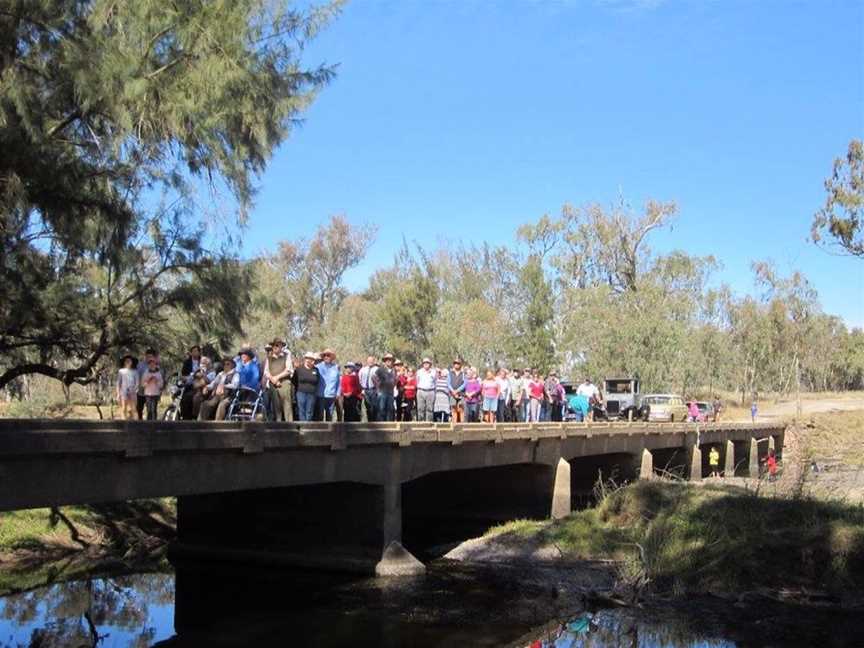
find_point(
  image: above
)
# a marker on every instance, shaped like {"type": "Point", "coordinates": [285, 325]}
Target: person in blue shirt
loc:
{"type": "Point", "coordinates": [580, 406]}
{"type": "Point", "coordinates": [248, 369]}
{"type": "Point", "coordinates": [329, 386]}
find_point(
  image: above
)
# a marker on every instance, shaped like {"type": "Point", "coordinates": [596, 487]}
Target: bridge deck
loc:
{"type": "Point", "coordinates": [23, 437]}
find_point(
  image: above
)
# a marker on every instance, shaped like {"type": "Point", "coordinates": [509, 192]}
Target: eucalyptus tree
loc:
{"type": "Point", "coordinates": [120, 122]}
{"type": "Point", "coordinates": [840, 222]}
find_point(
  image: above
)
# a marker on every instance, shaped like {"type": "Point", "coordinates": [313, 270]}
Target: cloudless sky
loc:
{"type": "Point", "coordinates": [464, 119]}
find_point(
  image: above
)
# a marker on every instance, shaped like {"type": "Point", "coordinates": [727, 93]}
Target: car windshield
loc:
{"type": "Point", "coordinates": [618, 387]}
{"type": "Point", "coordinates": [657, 400]}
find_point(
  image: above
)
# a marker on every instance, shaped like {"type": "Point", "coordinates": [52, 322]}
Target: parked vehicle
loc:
{"type": "Point", "coordinates": [706, 411]}
{"type": "Point", "coordinates": [662, 407]}
{"type": "Point", "coordinates": [622, 398]}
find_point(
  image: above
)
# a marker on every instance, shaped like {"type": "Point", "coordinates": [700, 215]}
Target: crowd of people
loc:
{"type": "Point", "coordinates": [317, 388]}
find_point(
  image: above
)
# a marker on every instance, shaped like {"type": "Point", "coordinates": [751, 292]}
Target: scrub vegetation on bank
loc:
{"type": "Point", "coordinates": [677, 538]}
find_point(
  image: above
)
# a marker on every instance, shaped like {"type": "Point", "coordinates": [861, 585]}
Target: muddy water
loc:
{"type": "Point", "coordinates": [452, 605]}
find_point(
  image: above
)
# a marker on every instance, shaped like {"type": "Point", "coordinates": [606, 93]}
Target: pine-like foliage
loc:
{"type": "Point", "coordinates": [113, 117]}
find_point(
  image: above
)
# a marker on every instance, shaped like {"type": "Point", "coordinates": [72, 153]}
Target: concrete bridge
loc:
{"type": "Point", "coordinates": [351, 496]}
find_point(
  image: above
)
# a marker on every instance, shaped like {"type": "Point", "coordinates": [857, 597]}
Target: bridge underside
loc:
{"type": "Point", "coordinates": [351, 497]}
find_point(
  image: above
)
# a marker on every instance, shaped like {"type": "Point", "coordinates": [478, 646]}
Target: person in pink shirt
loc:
{"type": "Point", "coordinates": [491, 388]}
{"type": "Point", "coordinates": [152, 383]}
{"type": "Point", "coordinates": [536, 394]}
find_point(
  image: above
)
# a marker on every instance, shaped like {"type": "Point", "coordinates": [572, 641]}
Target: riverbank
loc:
{"type": "Point", "coordinates": [674, 540]}
{"type": "Point", "coordinates": [42, 546]}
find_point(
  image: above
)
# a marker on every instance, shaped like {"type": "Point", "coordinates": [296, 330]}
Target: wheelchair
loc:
{"type": "Point", "coordinates": [246, 405]}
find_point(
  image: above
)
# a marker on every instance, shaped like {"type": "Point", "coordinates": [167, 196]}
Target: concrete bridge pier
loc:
{"type": "Point", "coordinates": [729, 464]}
{"type": "Point", "coordinates": [754, 458]}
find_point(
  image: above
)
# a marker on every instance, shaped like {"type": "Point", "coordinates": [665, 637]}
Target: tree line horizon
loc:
{"type": "Point", "coordinates": [127, 128]}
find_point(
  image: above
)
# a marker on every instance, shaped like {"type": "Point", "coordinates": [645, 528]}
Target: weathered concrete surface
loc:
{"type": "Point", "coordinates": [341, 496]}
{"type": "Point", "coordinates": [52, 462]}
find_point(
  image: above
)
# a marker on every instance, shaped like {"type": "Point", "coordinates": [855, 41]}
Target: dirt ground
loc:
{"type": "Point", "coordinates": [810, 404]}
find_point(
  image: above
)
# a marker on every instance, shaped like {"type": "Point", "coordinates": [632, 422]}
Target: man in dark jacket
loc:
{"type": "Point", "coordinates": [385, 383]}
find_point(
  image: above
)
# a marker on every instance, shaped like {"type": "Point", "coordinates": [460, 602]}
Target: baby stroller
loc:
{"type": "Point", "coordinates": [246, 405]}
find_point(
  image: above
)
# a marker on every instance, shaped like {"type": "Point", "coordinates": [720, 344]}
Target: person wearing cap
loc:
{"type": "Point", "coordinates": [278, 367]}
{"type": "Point", "coordinates": [366, 375]}
{"type": "Point", "coordinates": [385, 383]}
{"type": "Point", "coordinates": [329, 386]}
{"type": "Point", "coordinates": [352, 394]}
{"type": "Point", "coordinates": [127, 387]}
{"type": "Point", "coordinates": [305, 381]}
{"type": "Point", "coordinates": [456, 384]}
{"type": "Point", "coordinates": [426, 391]}
{"type": "Point", "coordinates": [218, 394]}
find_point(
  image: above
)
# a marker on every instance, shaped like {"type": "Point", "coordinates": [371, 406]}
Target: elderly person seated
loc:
{"type": "Point", "coordinates": [200, 379]}
{"type": "Point", "coordinates": [218, 394]}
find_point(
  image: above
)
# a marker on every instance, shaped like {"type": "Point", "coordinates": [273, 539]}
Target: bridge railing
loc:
{"type": "Point", "coordinates": [20, 437]}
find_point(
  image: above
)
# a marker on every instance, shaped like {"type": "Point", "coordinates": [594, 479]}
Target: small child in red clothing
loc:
{"type": "Point", "coordinates": [771, 464]}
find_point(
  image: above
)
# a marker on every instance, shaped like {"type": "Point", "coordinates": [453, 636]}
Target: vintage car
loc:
{"type": "Point", "coordinates": [662, 407]}
{"type": "Point", "coordinates": [622, 398]}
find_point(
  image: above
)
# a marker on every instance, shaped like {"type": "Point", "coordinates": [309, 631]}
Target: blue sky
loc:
{"type": "Point", "coordinates": [465, 119]}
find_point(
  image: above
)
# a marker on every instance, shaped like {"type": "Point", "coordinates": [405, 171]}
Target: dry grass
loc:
{"type": "Point", "coordinates": [834, 437]}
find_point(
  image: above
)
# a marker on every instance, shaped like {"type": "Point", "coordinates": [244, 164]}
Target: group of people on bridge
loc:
{"type": "Point", "coordinates": [317, 388]}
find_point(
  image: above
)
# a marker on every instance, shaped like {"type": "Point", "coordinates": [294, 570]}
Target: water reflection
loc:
{"type": "Point", "coordinates": [625, 629]}
{"type": "Point", "coordinates": [453, 605]}
{"type": "Point", "coordinates": [128, 611]}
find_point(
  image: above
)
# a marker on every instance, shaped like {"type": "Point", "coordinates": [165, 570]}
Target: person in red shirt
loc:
{"type": "Point", "coordinates": [352, 394]}
{"type": "Point", "coordinates": [771, 464]}
{"type": "Point", "coordinates": [409, 393]}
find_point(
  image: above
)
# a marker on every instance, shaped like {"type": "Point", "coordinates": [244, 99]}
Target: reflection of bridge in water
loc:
{"type": "Point", "coordinates": [338, 495]}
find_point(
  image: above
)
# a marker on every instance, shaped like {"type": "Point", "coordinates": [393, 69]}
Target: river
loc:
{"type": "Point", "coordinates": [453, 605]}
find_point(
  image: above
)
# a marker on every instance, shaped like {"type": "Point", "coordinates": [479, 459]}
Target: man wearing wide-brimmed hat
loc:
{"type": "Point", "coordinates": [329, 386]}
{"type": "Point", "coordinates": [426, 391]}
{"type": "Point", "coordinates": [278, 367]}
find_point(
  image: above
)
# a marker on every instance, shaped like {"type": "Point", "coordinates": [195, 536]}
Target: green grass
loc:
{"type": "Point", "coordinates": [39, 548]}
{"type": "Point", "coordinates": [714, 538]}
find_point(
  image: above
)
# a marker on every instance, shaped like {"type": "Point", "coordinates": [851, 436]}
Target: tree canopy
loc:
{"type": "Point", "coordinates": [840, 222]}
{"type": "Point", "coordinates": [121, 126]}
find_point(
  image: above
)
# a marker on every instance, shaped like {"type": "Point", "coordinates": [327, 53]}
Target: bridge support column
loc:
{"type": "Point", "coordinates": [646, 466]}
{"type": "Point", "coordinates": [754, 458]}
{"type": "Point", "coordinates": [729, 464]}
{"type": "Point", "coordinates": [561, 501]}
{"type": "Point", "coordinates": [695, 463]}
{"type": "Point", "coordinates": [395, 559]}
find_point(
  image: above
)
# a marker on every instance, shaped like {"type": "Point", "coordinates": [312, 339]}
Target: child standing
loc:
{"type": "Point", "coordinates": [714, 461]}
{"type": "Point", "coordinates": [127, 388]}
{"type": "Point", "coordinates": [753, 411]}
{"type": "Point", "coordinates": [152, 383]}
{"type": "Point", "coordinates": [491, 390]}
{"type": "Point", "coordinates": [771, 463]}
